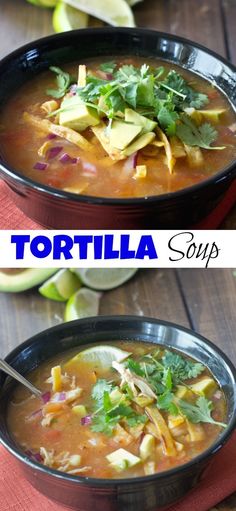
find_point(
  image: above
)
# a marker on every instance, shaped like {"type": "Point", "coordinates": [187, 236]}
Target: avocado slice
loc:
{"type": "Point", "coordinates": [122, 459]}
{"type": "Point", "coordinates": [79, 410]}
{"type": "Point", "coordinates": [14, 281]}
{"type": "Point", "coordinates": [76, 114]}
{"type": "Point", "coordinates": [100, 133]}
{"type": "Point", "coordinates": [147, 446]}
{"type": "Point", "coordinates": [122, 134]}
{"type": "Point", "coordinates": [138, 144]}
{"type": "Point", "coordinates": [204, 386]}
{"type": "Point", "coordinates": [135, 118]}
{"type": "Point", "coordinates": [205, 115]}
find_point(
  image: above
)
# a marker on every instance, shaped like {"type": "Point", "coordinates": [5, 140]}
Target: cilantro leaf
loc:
{"type": "Point", "coordinates": [130, 94]}
{"type": "Point", "coordinates": [126, 72]}
{"type": "Point", "coordinates": [108, 67]}
{"type": "Point", "coordinates": [136, 419]}
{"type": "Point", "coordinates": [178, 84]}
{"type": "Point", "coordinates": [202, 136]}
{"type": "Point", "coordinates": [100, 387]}
{"type": "Point", "coordinates": [199, 412]}
{"type": "Point", "coordinates": [167, 120]}
{"type": "Point", "coordinates": [145, 91]}
{"type": "Point", "coordinates": [165, 402]}
{"type": "Point", "coordinates": [181, 368]}
{"type": "Point", "coordinates": [167, 378]}
{"type": "Point", "coordinates": [92, 91]}
{"type": "Point", "coordinates": [63, 82]}
{"type": "Point", "coordinates": [103, 424]}
{"type": "Point", "coordinates": [135, 367]}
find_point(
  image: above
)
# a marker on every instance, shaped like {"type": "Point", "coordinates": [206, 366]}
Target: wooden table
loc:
{"type": "Point", "coordinates": [201, 299]}
{"type": "Point", "coordinates": [209, 22]}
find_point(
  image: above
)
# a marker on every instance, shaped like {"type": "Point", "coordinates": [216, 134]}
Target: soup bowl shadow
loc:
{"type": "Point", "coordinates": [56, 208]}
{"type": "Point", "coordinates": [153, 492]}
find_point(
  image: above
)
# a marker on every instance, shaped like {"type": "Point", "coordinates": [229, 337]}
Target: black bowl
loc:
{"type": "Point", "coordinates": [58, 209]}
{"type": "Point", "coordinates": [135, 494]}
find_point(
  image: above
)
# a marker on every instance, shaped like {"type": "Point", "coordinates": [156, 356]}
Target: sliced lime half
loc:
{"type": "Point", "coordinates": [102, 355]}
{"type": "Point", "coordinates": [114, 12]}
{"type": "Point", "coordinates": [103, 279]}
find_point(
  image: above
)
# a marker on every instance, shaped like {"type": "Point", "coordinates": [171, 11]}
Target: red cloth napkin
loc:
{"type": "Point", "coordinates": [16, 494]}
{"type": "Point", "coordinates": [12, 218]}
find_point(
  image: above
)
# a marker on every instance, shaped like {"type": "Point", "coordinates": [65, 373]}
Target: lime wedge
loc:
{"type": "Point", "coordinates": [103, 279]}
{"type": "Point", "coordinates": [43, 3]}
{"type": "Point", "coordinates": [100, 355]}
{"type": "Point", "coordinates": [133, 2]}
{"type": "Point", "coordinates": [66, 18]}
{"type": "Point", "coordinates": [61, 286]}
{"type": "Point", "coordinates": [83, 304]}
{"type": "Point", "coordinates": [114, 12]}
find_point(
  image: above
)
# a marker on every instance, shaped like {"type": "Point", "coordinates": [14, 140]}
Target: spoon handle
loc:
{"type": "Point", "coordinates": [9, 370]}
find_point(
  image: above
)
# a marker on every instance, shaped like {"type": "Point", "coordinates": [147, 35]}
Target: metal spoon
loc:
{"type": "Point", "coordinates": [12, 372]}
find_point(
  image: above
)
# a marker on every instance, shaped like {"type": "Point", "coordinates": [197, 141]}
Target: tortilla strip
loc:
{"type": "Point", "coordinates": [163, 431]}
{"type": "Point", "coordinates": [170, 158]}
{"type": "Point", "coordinates": [61, 131]}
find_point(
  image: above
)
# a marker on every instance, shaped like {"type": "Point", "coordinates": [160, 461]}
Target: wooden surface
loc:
{"type": "Point", "coordinates": [209, 22]}
{"type": "Point", "coordinates": [201, 299]}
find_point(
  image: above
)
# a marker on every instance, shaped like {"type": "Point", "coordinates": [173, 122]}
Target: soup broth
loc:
{"type": "Point", "coordinates": [102, 148]}
{"type": "Point", "coordinates": [125, 409]}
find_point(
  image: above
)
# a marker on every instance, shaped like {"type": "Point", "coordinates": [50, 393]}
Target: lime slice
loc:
{"type": "Point", "coordinates": [114, 12]}
{"type": "Point", "coordinates": [66, 18]}
{"type": "Point", "coordinates": [43, 3]}
{"type": "Point", "coordinates": [83, 304]}
{"type": "Point", "coordinates": [133, 2]}
{"type": "Point", "coordinates": [61, 286]}
{"type": "Point", "coordinates": [15, 281]}
{"type": "Point", "coordinates": [103, 279]}
{"type": "Point", "coordinates": [100, 355]}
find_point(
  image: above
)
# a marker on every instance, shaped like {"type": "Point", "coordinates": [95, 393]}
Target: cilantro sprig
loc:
{"type": "Point", "coordinates": [181, 368]}
{"type": "Point", "coordinates": [63, 80]}
{"type": "Point", "coordinates": [107, 415]}
{"type": "Point", "coordinates": [199, 412]}
{"type": "Point", "coordinates": [193, 135]}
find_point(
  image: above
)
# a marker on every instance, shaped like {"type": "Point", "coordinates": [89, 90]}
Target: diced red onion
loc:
{"type": "Point", "coordinates": [37, 456]}
{"type": "Point", "coordinates": [46, 397]}
{"type": "Point", "coordinates": [86, 420]}
{"type": "Point", "coordinates": [53, 152]}
{"type": "Point", "coordinates": [109, 76]}
{"type": "Point", "coordinates": [59, 396]}
{"type": "Point", "coordinates": [39, 165]}
{"type": "Point", "coordinates": [51, 136]}
{"type": "Point", "coordinates": [34, 455]}
{"type": "Point", "coordinates": [66, 158]}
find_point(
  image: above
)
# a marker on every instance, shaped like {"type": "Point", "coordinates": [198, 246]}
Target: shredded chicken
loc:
{"type": "Point", "coordinates": [65, 462]}
{"type": "Point", "coordinates": [133, 381]}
